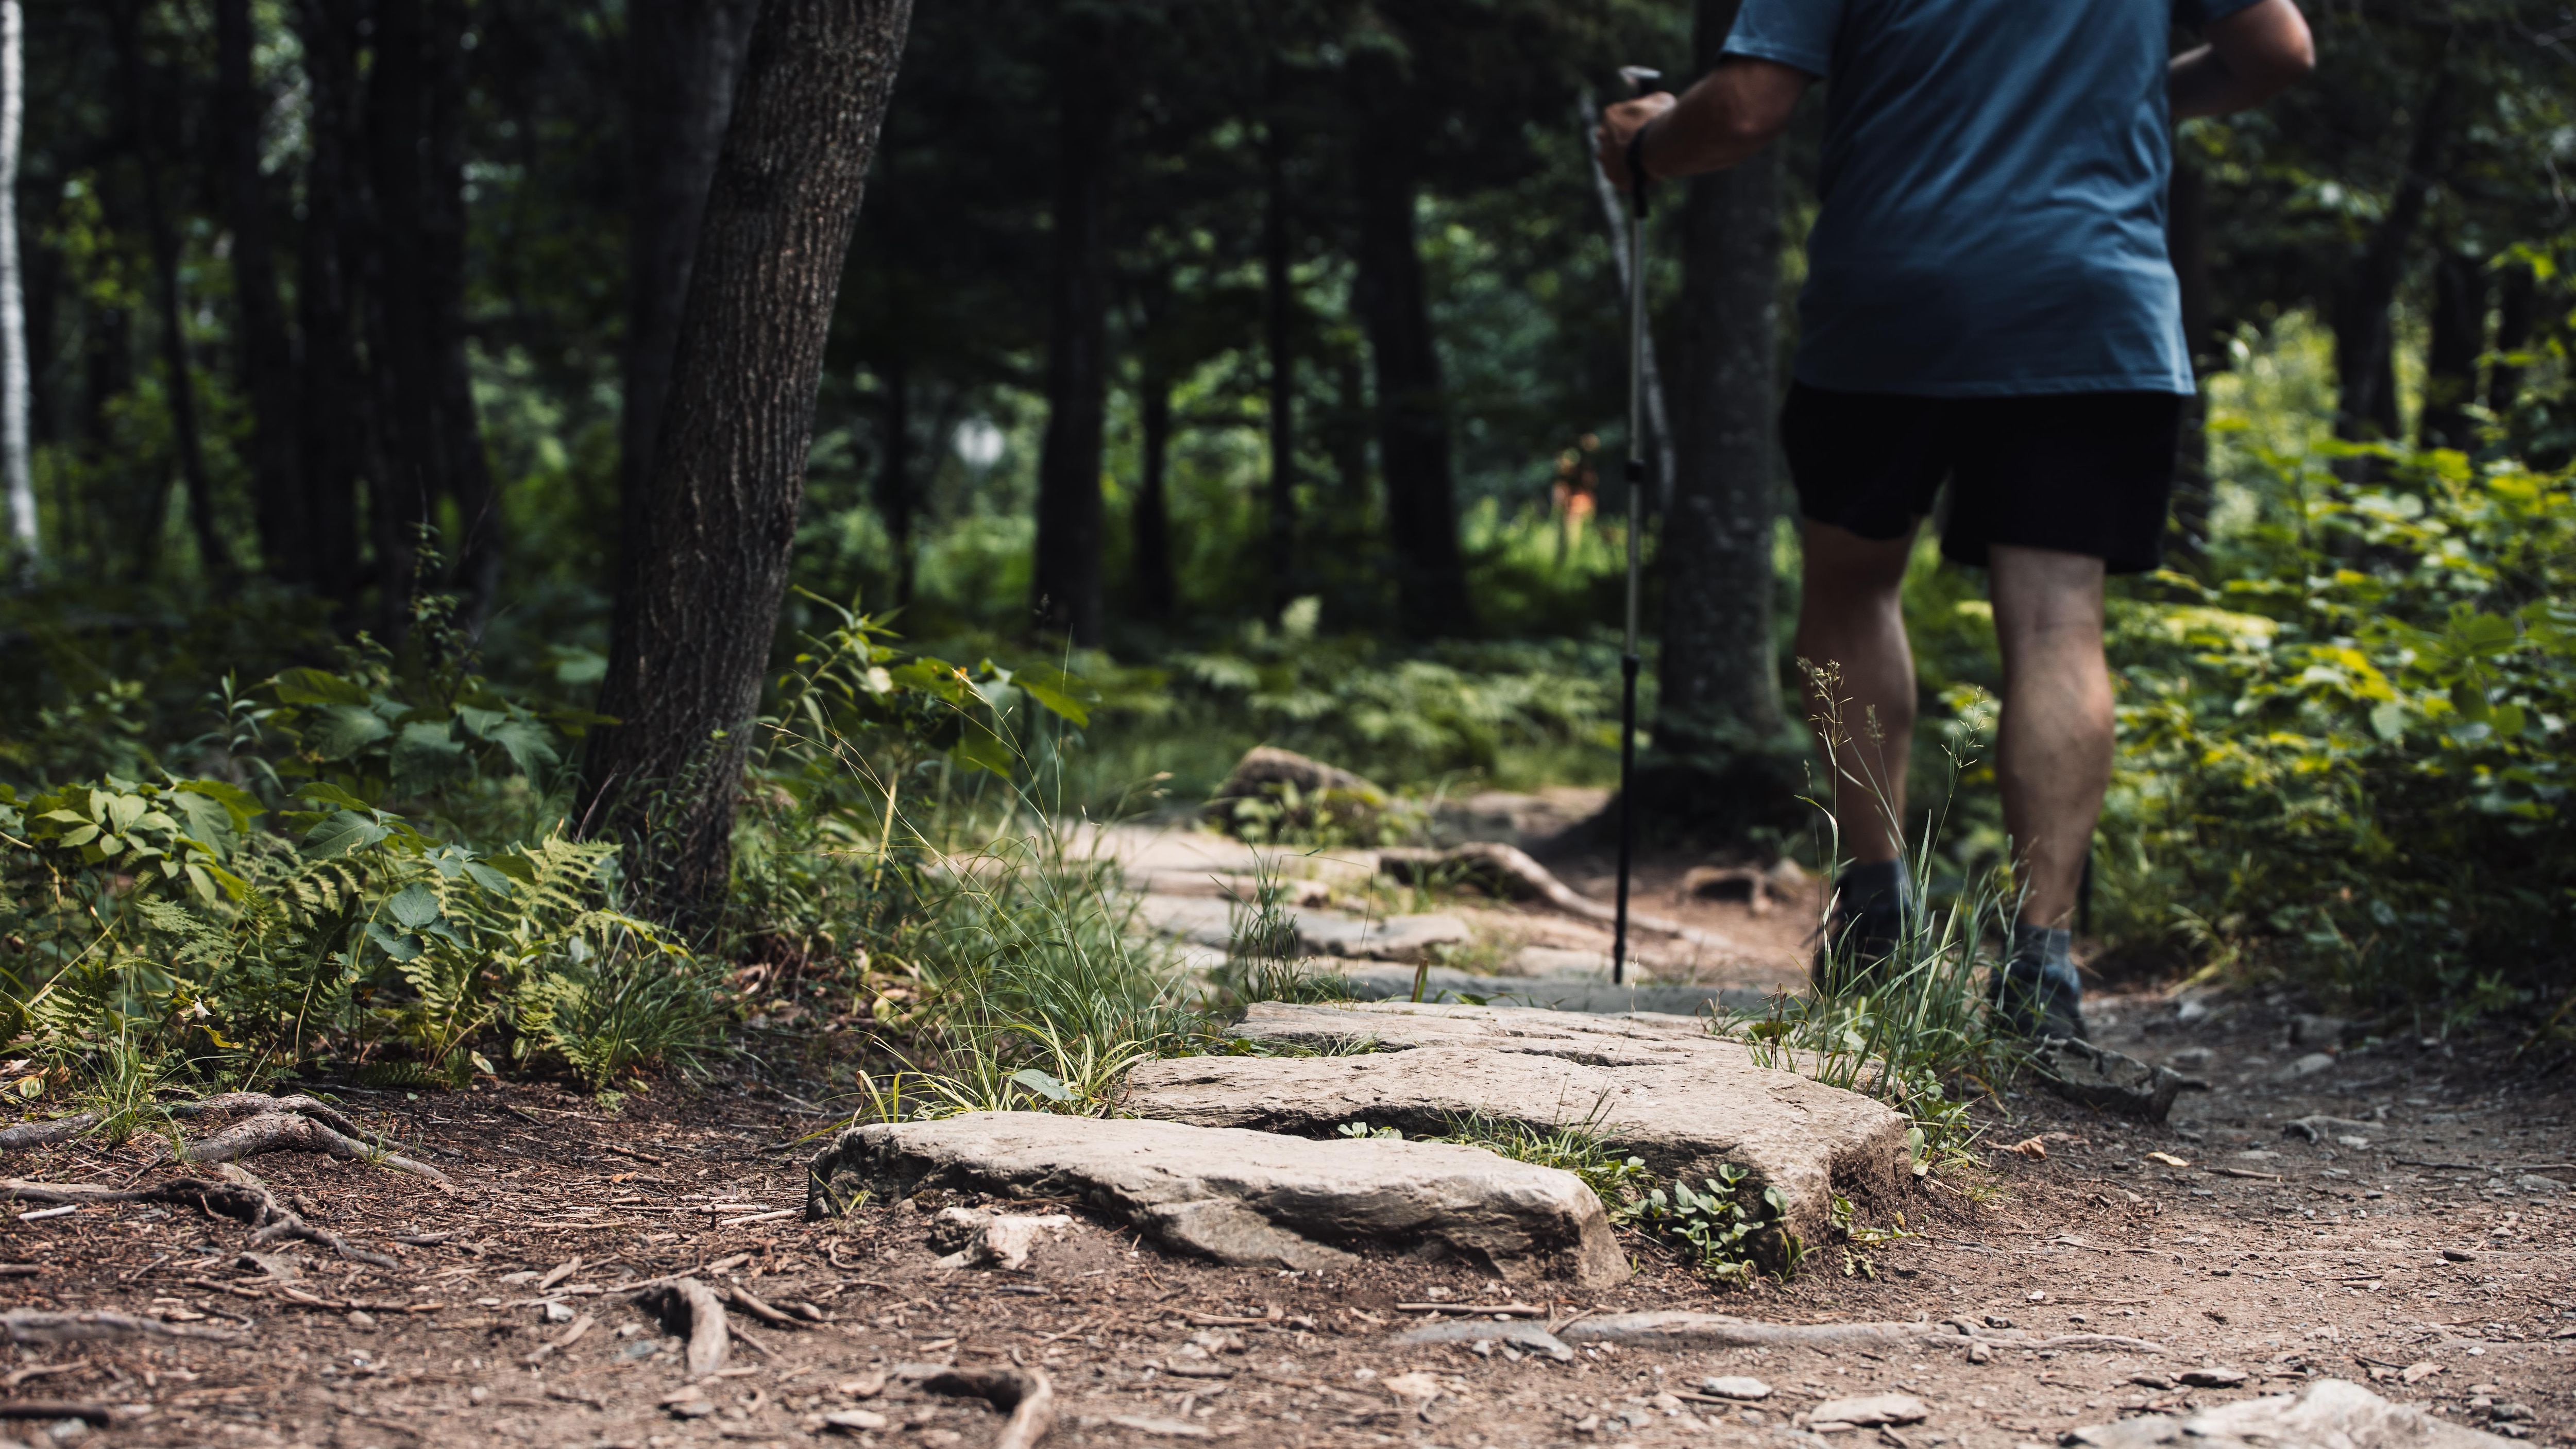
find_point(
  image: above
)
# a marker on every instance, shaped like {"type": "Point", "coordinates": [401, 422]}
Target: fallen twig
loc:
{"type": "Point", "coordinates": [28, 1326]}
{"type": "Point", "coordinates": [1026, 1394]}
{"type": "Point", "coordinates": [93, 1414]}
{"type": "Point", "coordinates": [743, 1300]}
{"type": "Point", "coordinates": [1516, 1310]}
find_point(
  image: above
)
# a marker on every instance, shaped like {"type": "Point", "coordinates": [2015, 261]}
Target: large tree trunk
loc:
{"type": "Point", "coordinates": [330, 451]}
{"type": "Point", "coordinates": [266, 356]}
{"type": "Point", "coordinates": [2365, 371]}
{"type": "Point", "coordinates": [2451, 358]}
{"type": "Point", "coordinates": [2187, 244]}
{"type": "Point", "coordinates": [14, 381]}
{"type": "Point", "coordinates": [162, 232]}
{"type": "Point", "coordinates": [684, 672]}
{"type": "Point", "coordinates": [1150, 518]}
{"type": "Point", "coordinates": [1280, 305]}
{"type": "Point", "coordinates": [404, 454]}
{"type": "Point", "coordinates": [1412, 417]}
{"type": "Point", "coordinates": [465, 472]}
{"type": "Point", "coordinates": [1066, 581]}
{"type": "Point", "coordinates": [1718, 686]}
{"type": "Point", "coordinates": [683, 59]}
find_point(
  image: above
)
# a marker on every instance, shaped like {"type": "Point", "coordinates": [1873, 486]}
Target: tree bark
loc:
{"type": "Point", "coordinates": [265, 354]}
{"type": "Point", "coordinates": [685, 671]}
{"type": "Point", "coordinates": [896, 497]}
{"type": "Point", "coordinates": [1066, 581]}
{"type": "Point", "coordinates": [684, 58]}
{"type": "Point", "coordinates": [2187, 244]}
{"type": "Point", "coordinates": [1149, 520]}
{"type": "Point", "coordinates": [1280, 305]}
{"type": "Point", "coordinates": [465, 472]}
{"type": "Point", "coordinates": [2365, 371]}
{"type": "Point", "coordinates": [404, 453]}
{"type": "Point", "coordinates": [163, 234]}
{"type": "Point", "coordinates": [2517, 308]}
{"type": "Point", "coordinates": [1412, 418]}
{"type": "Point", "coordinates": [14, 380]}
{"type": "Point", "coordinates": [1718, 686]}
{"type": "Point", "coordinates": [2451, 358]}
{"type": "Point", "coordinates": [330, 453]}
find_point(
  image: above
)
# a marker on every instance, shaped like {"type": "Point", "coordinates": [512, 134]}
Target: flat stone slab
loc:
{"type": "Point", "coordinates": [1246, 1198]}
{"type": "Point", "coordinates": [1658, 1087]}
{"type": "Point", "coordinates": [1210, 921]}
{"type": "Point", "coordinates": [2326, 1414]}
{"type": "Point", "coordinates": [1554, 993]}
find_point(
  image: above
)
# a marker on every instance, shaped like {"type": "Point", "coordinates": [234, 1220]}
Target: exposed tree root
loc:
{"type": "Point", "coordinates": [1027, 1395]}
{"type": "Point", "coordinates": [291, 1132]}
{"type": "Point", "coordinates": [1508, 870]}
{"type": "Point", "coordinates": [46, 1134]}
{"type": "Point", "coordinates": [1718, 1330]}
{"type": "Point", "coordinates": [28, 1326]}
{"type": "Point", "coordinates": [762, 1311]}
{"type": "Point", "coordinates": [695, 1304]}
{"type": "Point", "coordinates": [95, 1415]}
{"type": "Point", "coordinates": [245, 1198]}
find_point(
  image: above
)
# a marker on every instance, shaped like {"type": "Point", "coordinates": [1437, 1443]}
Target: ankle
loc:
{"type": "Point", "coordinates": [2047, 952]}
{"type": "Point", "coordinates": [1878, 885]}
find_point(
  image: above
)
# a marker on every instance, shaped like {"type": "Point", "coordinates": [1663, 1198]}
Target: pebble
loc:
{"type": "Point", "coordinates": [2213, 1378]}
{"type": "Point", "coordinates": [1874, 1409]}
{"type": "Point", "coordinates": [1735, 1387]}
{"type": "Point", "coordinates": [855, 1421]}
{"type": "Point", "coordinates": [362, 1320]}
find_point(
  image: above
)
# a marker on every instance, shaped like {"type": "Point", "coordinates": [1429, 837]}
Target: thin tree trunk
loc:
{"type": "Point", "coordinates": [266, 356]}
{"type": "Point", "coordinates": [2451, 358]}
{"type": "Point", "coordinates": [2365, 371]}
{"type": "Point", "coordinates": [1718, 682]}
{"type": "Point", "coordinates": [2187, 244]}
{"type": "Point", "coordinates": [464, 471]}
{"type": "Point", "coordinates": [404, 453]}
{"type": "Point", "coordinates": [1280, 316]}
{"type": "Point", "coordinates": [127, 19]}
{"type": "Point", "coordinates": [684, 673]}
{"type": "Point", "coordinates": [1413, 425]}
{"type": "Point", "coordinates": [1149, 520]}
{"type": "Point", "coordinates": [2517, 308]}
{"type": "Point", "coordinates": [1066, 581]}
{"type": "Point", "coordinates": [894, 473]}
{"type": "Point", "coordinates": [684, 58]}
{"type": "Point", "coordinates": [14, 395]}
{"type": "Point", "coordinates": [329, 451]}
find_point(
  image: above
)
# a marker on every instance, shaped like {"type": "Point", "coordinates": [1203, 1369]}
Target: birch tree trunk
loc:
{"type": "Point", "coordinates": [14, 465]}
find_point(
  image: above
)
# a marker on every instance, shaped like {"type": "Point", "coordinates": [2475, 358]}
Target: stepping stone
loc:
{"type": "Point", "coordinates": [2326, 1412]}
{"type": "Point", "coordinates": [1245, 1198]}
{"type": "Point", "coordinates": [1210, 921]}
{"type": "Point", "coordinates": [1555, 993]}
{"type": "Point", "coordinates": [1659, 1088]}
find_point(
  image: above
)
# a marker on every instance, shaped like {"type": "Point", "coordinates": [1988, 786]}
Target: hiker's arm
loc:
{"type": "Point", "coordinates": [1734, 111]}
{"type": "Point", "coordinates": [2252, 56]}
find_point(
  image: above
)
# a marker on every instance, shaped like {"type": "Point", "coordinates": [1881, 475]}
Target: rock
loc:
{"type": "Point", "coordinates": [1301, 792]}
{"type": "Point", "coordinates": [1730, 883]}
{"type": "Point", "coordinates": [2098, 1077]}
{"type": "Point", "coordinates": [2326, 1414]}
{"type": "Point", "coordinates": [1391, 938]}
{"type": "Point", "coordinates": [970, 1239]}
{"type": "Point", "coordinates": [1561, 993]}
{"type": "Point", "coordinates": [1247, 1198]}
{"type": "Point", "coordinates": [2535, 1183]}
{"type": "Point", "coordinates": [1241, 889]}
{"type": "Point", "coordinates": [2458, 1255]}
{"type": "Point", "coordinates": [1866, 1412]}
{"type": "Point", "coordinates": [1659, 1088]}
{"type": "Point", "coordinates": [2319, 1128]}
{"type": "Point", "coordinates": [362, 1320]}
{"type": "Point", "coordinates": [1522, 1334]}
{"type": "Point", "coordinates": [2306, 1066]}
{"type": "Point", "coordinates": [2191, 1059]}
{"type": "Point", "coordinates": [278, 1266]}
{"type": "Point", "coordinates": [855, 1421]}
{"type": "Point", "coordinates": [1735, 1387]}
{"type": "Point", "coordinates": [555, 1310]}
{"type": "Point", "coordinates": [2213, 1378]}
{"type": "Point", "coordinates": [2309, 1030]}
{"type": "Point", "coordinates": [690, 1406]}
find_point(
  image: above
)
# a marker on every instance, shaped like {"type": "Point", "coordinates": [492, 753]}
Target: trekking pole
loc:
{"type": "Point", "coordinates": [1640, 81]}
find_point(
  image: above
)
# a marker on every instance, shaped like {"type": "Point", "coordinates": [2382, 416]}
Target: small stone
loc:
{"type": "Point", "coordinates": [362, 1320]}
{"type": "Point", "coordinates": [865, 1386]}
{"type": "Point", "coordinates": [1482, 1348]}
{"type": "Point", "coordinates": [697, 1408]}
{"type": "Point", "coordinates": [2535, 1183]}
{"type": "Point", "coordinates": [1871, 1410]}
{"type": "Point", "coordinates": [2213, 1378]}
{"type": "Point", "coordinates": [2317, 1031]}
{"type": "Point", "coordinates": [855, 1421]}
{"type": "Point", "coordinates": [2458, 1255]}
{"type": "Point", "coordinates": [2307, 1066]}
{"type": "Point", "coordinates": [555, 1310]}
{"type": "Point", "coordinates": [2507, 1409]}
{"type": "Point", "coordinates": [1997, 1320]}
{"type": "Point", "coordinates": [477, 1394]}
{"type": "Point", "coordinates": [1735, 1386]}
{"type": "Point", "coordinates": [1980, 1353]}
{"type": "Point", "coordinates": [2151, 1381]}
{"type": "Point", "coordinates": [2191, 1059]}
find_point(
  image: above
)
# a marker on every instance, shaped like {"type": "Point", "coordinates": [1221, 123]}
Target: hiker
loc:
{"type": "Point", "coordinates": [1988, 301]}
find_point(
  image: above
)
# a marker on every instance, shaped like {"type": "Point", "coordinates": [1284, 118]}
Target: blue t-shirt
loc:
{"type": "Point", "coordinates": [1994, 193]}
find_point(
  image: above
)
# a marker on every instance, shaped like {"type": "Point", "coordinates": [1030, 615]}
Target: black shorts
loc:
{"type": "Point", "coordinates": [2084, 472]}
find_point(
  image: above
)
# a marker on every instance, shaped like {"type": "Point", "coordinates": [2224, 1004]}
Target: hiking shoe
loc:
{"type": "Point", "coordinates": [2038, 999]}
{"type": "Point", "coordinates": [1867, 927]}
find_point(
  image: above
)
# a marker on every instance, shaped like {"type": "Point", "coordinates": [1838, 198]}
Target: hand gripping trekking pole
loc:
{"type": "Point", "coordinates": [1640, 81]}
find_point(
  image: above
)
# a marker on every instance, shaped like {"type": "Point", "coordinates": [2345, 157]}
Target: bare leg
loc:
{"type": "Point", "coordinates": [2053, 760]}
{"type": "Point", "coordinates": [1850, 614]}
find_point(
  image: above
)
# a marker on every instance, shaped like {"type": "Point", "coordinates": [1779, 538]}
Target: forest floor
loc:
{"type": "Point", "coordinates": [2437, 1263]}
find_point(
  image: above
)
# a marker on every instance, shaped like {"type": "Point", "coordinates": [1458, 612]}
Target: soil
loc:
{"type": "Point", "coordinates": [2438, 1264]}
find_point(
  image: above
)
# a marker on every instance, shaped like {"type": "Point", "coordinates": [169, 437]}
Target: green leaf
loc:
{"type": "Point", "coordinates": [1042, 1084]}
{"type": "Point", "coordinates": [2388, 720]}
{"type": "Point", "coordinates": [81, 834]}
{"type": "Point", "coordinates": [313, 686]}
{"type": "Point", "coordinates": [415, 906]}
{"type": "Point", "coordinates": [488, 878]}
{"type": "Point", "coordinates": [395, 944]}
{"type": "Point", "coordinates": [529, 744]}
{"type": "Point", "coordinates": [345, 729]}
{"type": "Point", "coordinates": [427, 755]}
{"type": "Point", "coordinates": [341, 833]}
{"type": "Point", "coordinates": [984, 750]}
{"type": "Point", "coordinates": [1061, 705]}
{"type": "Point", "coordinates": [327, 793]}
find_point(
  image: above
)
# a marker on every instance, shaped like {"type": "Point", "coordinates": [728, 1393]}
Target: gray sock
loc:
{"type": "Point", "coordinates": [2053, 948]}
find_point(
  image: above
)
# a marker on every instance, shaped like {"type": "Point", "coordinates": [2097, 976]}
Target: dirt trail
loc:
{"type": "Point", "coordinates": [2438, 1261]}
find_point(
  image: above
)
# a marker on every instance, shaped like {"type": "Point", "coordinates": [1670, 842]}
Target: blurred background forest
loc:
{"type": "Point", "coordinates": [1259, 364]}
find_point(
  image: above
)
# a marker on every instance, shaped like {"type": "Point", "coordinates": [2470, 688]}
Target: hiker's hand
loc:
{"type": "Point", "coordinates": [1619, 124]}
